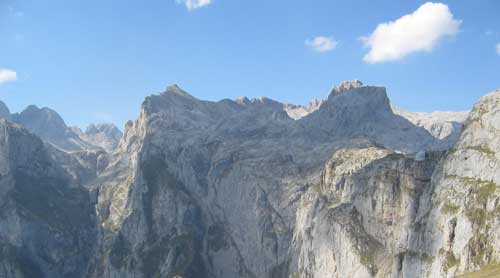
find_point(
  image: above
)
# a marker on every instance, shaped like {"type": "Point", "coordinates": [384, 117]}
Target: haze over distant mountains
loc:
{"type": "Point", "coordinates": [349, 186]}
{"type": "Point", "coordinates": [48, 125]}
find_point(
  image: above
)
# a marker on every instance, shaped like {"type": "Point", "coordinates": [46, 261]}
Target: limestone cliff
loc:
{"type": "Point", "coordinates": [47, 223]}
{"type": "Point", "coordinates": [243, 189]}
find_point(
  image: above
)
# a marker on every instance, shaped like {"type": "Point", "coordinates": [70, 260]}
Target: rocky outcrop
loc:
{"type": "Point", "coordinates": [357, 221]}
{"type": "Point", "coordinates": [105, 136]}
{"type": "Point", "coordinates": [459, 219]}
{"type": "Point", "coordinates": [441, 124]}
{"type": "Point", "coordinates": [47, 223]}
{"type": "Point", "coordinates": [49, 126]}
{"type": "Point", "coordinates": [354, 110]}
{"type": "Point", "coordinates": [235, 174]}
{"type": "Point", "coordinates": [299, 111]}
{"type": "Point", "coordinates": [4, 111]}
{"type": "Point", "coordinates": [242, 189]}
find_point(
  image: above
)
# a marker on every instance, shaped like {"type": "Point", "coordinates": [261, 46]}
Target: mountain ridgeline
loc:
{"type": "Point", "coordinates": [350, 186]}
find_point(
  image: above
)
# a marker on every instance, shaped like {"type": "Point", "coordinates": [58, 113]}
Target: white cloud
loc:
{"type": "Point", "coordinates": [419, 31]}
{"type": "Point", "coordinates": [322, 44]}
{"type": "Point", "coordinates": [194, 4]}
{"type": "Point", "coordinates": [7, 75]}
{"type": "Point", "coordinates": [498, 48]}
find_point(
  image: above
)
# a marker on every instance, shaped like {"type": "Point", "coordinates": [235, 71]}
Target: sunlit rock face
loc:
{"type": "Point", "coordinates": [458, 220]}
{"type": "Point", "coordinates": [104, 136]}
{"type": "Point", "coordinates": [440, 124]}
{"type": "Point", "coordinates": [247, 188]}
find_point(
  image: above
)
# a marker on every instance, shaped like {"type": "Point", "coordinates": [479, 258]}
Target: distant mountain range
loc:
{"type": "Point", "coordinates": [49, 126]}
{"type": "Point", "coordinates": [350, 186]}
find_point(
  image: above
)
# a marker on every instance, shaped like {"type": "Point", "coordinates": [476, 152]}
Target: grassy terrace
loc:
{"type": "Point", "coordinates": [489, 271]}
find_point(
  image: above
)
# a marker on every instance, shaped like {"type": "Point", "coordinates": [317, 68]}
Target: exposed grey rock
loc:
{"type": "Point", "coordinates": [458, 219]}
{"type": "Point", "coordinates": [47, 223]}
{"type": "Point", "coordinates": [4, 111]}
{"type": "Point", "coordinates": [241, 189]}
{"type": "Point", "coordinates": [298, 111]}
{"type": "Point", "coordinates": [234, 173]}
{"type": "Point", "coordinates": [105, 136]}
{"type": "Point", "coordinates": [49, 126]}
{"type": "Point", "coordinates": [441, 124]}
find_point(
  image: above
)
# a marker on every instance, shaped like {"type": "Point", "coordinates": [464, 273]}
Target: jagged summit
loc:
{"type": "Point", "coordinates": [103, 135]}
{"type": "Point", "coordinates": [51, 128]}
{"type": "Point", "coordinates": [242, 100]}
{"type": "Point", "coordinates": [346, 86]}
{"type": "Point", "coordinates": [175, 89]}
{"type": "Point", "coordinates": [297, 112]}
{"type": "Point", "coordinates": [238, 189]}
{"type": "Point", "coordinates": [441, 124]}
{"type": "Point", "coordinates": [4, 111]}
{"type": "Point", "coordinates": [44, 122]}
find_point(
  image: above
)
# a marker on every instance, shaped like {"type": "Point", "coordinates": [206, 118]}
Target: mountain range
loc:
{"type": "Point", "coordinates": [349, 186]}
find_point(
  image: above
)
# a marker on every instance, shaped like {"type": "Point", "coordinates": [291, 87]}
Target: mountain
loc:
{"type": "Point", "coordinates": [239, 188]}
{"type": "Point", "coordinates": [298, 111]}
{"type": "Point", "coordinates": [458, 219]}
{"type": "Point", "coordinates": [441, 124]}
{"type": "Point", "coordinates": [4, 111]}
{"type": "Point", "coordinates": [47, 220]}
{"type": "Point", "coordinates": [50, 127]}
{"type": "Point", "coordinates": [105, 136]}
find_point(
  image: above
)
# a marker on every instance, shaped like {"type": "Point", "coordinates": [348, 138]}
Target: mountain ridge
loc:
{"type": "Point", "coordinates": [241, 189]}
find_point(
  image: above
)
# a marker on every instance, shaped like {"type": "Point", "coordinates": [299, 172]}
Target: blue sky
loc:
{"type": "Point", "coordinates": [95, 60]}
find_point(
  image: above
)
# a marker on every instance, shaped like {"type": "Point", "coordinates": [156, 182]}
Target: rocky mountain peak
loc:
{"type": "Point", "coordinates": [40, 119]}
{"type": "Point", "coordinates": [175, 89]}
{"type": "Point", "coordinates": [105, 135]}
{"type": "Point", "coordinates": [4, 111]}
{"type": "Point", "coordinates": [363, 99]}
{"type": "Point", "coordinates": [238, 189]}
{"type": "Point", "coordinates": [300, 111]}
{"type": "Point", "coordinates": [48, 125]}
{"type": "Point", "coordinates": [107, 128]}
{"type": "Point", "coordinates": [242, 100]}
{"type": "Point", "coordinates": [346, 86]}
{"type": "Point", "coordinates": [440, 124]}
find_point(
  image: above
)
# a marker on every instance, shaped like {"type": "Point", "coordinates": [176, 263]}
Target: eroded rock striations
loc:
{"type": "Point", "coordinates": [257, 188]}
{"type": "Point", "coordinates": [47, 220]}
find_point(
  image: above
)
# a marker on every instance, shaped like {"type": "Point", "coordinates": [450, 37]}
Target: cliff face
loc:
{"type": "Point", "coordinates": [358, 221]}
{"type": "Point", "coordinates": [459, 218]}
{"type": "Point", "coordinates": [241, 189]}
{"type": "Point", "coordinates": [215, 189]}
{"type": "Point", "coordinates": [47, 223]}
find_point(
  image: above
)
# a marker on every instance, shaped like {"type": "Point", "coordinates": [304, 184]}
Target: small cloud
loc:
{"type": "Point", "coordinates": [488, 33]}
{"type": "Point", "coordinates": [322, 44]}
{"type": "Point", "coordinates": [7, 76]}
{"type": "Point", "coordinates": [415, 32]}
{"type": "Point", "coordinates": [194, 4]}
{"type": "Point", "coordinates": [498, 48]}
